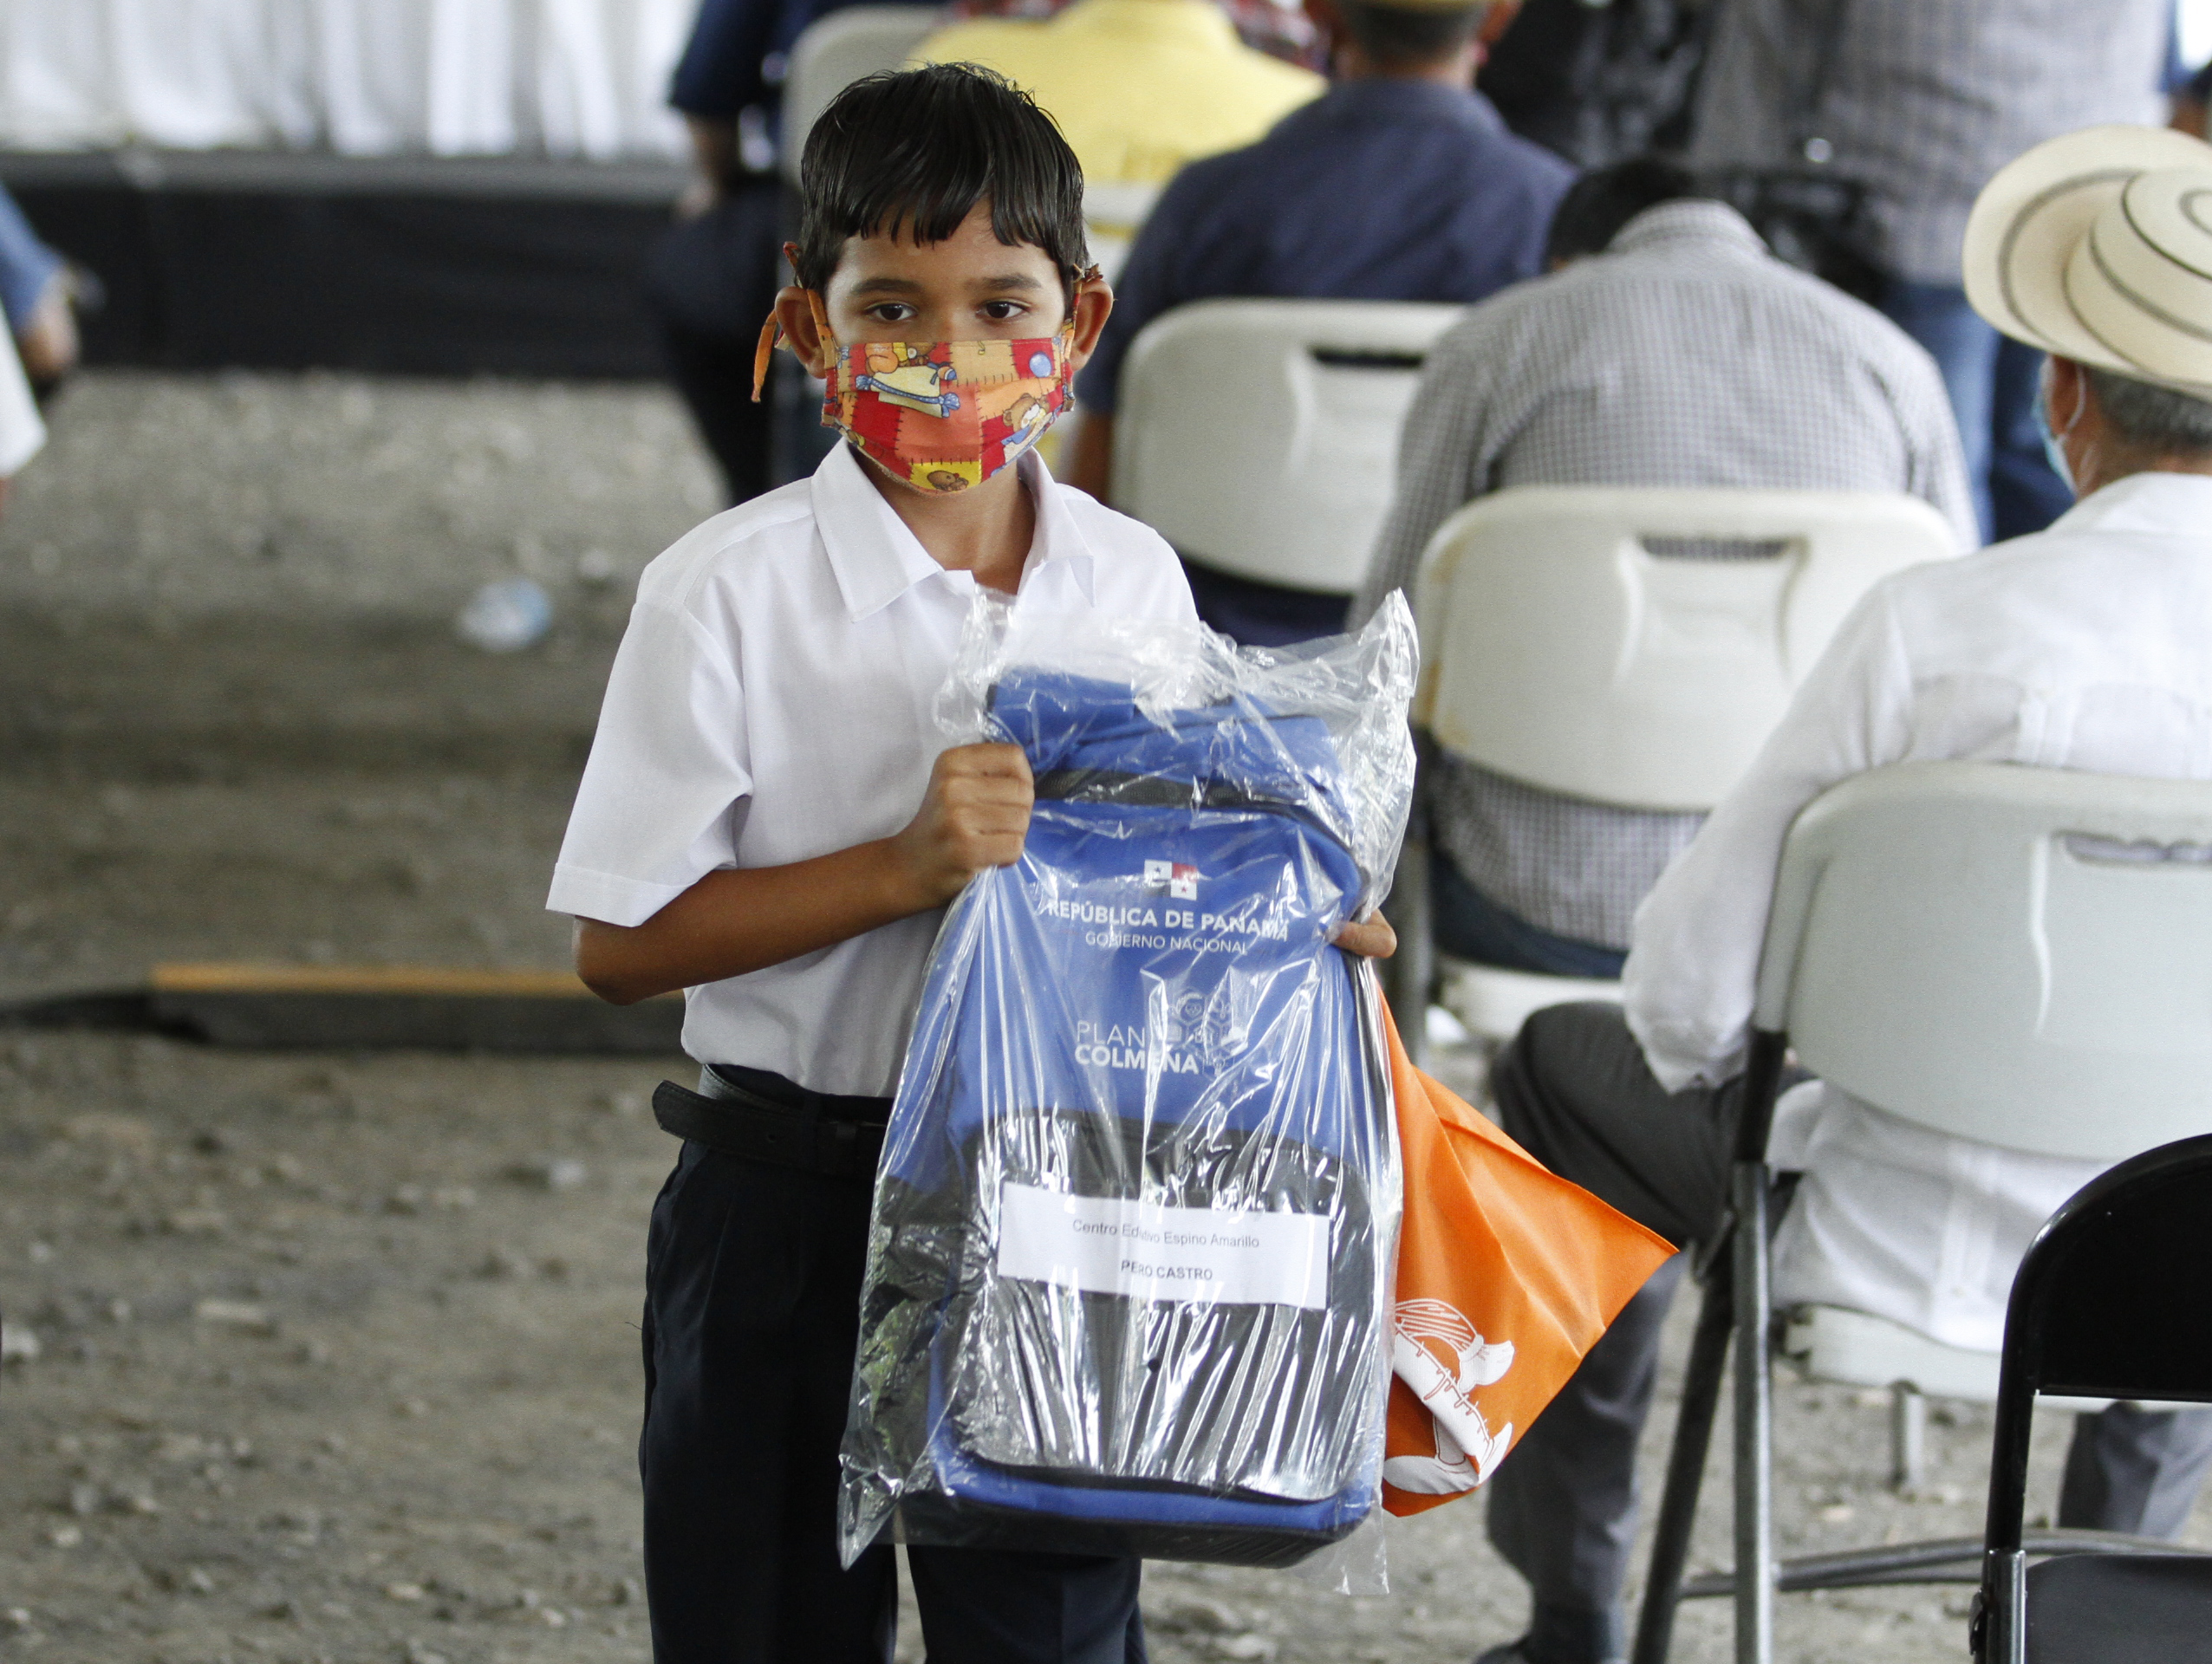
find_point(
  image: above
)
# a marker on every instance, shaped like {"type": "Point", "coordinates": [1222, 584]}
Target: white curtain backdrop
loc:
{"type": "Point", "coordinates": [2195, 22]}
{"type": "Point", "coordinates": [565, 78]}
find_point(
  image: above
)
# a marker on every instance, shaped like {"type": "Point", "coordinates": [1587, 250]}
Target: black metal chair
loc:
{"type": "Point", "coordinates": [2113, 1300]}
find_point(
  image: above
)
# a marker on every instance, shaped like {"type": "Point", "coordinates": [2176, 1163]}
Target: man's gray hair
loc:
{"type": "Point", "coordinates": [2155, 420]}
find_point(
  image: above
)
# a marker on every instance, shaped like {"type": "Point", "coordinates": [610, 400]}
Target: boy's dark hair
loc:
{"type": "Point", "coordinates": [1604, 199]}
{"type": "Point", "coordinates": [1398, 37]}
{"type": "Point", "coordinates": [912, 151]}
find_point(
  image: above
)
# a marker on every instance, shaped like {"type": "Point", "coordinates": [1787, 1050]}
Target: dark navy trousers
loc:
{"type": "Point", "coordinates": [751, 1316]}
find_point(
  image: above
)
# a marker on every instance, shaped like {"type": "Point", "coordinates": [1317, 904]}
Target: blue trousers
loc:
{"type": "Point", "coordinates": [27, 265]}
{"type": "Point", "coordinates": [1470, 926]}
{"type": "Point", "coordinates": [1263, 615]}
{"type": "Point", "coordinates": [1993, 384]}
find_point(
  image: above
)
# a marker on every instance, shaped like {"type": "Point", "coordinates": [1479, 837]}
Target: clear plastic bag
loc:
{"type": "Point", "coordinates": [1135, 1226]}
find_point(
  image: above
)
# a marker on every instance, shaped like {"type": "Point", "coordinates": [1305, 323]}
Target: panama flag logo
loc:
{"type": "Point", "coordinates": [1178, 878]}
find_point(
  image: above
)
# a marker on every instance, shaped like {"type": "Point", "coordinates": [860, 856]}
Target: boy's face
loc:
{"type": "Point", "coordinates": [970, 287]}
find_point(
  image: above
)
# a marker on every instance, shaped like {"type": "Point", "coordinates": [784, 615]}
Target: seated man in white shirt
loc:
{"type": "Point", "coordinates": [2088, 647]}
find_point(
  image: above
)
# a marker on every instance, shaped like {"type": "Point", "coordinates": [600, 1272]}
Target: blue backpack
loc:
{"type": "Point", "coordinates": [1129, 1260]}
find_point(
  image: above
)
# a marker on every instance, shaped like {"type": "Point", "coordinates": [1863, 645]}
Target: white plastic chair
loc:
{"type": "Point", "coordinates": [1113, 211]}
{"type": "Point", "coordinates": [1632, 648]}
{"type": "Point", "coordinates": [834, 52]}
{"type": "Point", "coordinates": [1261, 438]}
{"type": "Point", "coordinates": [2010, 955]}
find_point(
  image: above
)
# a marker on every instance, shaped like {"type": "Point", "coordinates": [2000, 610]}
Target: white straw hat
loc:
{"type": "Point", "coordinates": [2098, 247]}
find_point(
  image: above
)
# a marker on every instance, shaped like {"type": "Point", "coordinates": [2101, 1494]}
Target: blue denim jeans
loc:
{"type": "Point", "coordinates": [27, 265]}
{"type": "Point", "coordinates": [1993, 384]}
{"type": "Point", "coordinates": [1470, 926]}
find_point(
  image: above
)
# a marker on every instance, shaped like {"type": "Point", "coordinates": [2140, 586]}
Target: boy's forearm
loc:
{"type": "Point", "coordinates": [714, 149]}
{"type": "Point", "coordinates": [746, 919]}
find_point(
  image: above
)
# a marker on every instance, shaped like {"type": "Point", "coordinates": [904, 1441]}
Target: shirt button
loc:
{"type": "Point", "coordinates": [1818, 150]}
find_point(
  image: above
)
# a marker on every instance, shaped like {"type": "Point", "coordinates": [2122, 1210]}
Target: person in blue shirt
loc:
{"type": "Point", "coordinates": [734, 58]}
{"type": "Point", "coordinates": [1401, 182]}
{"type": "Point", "coordinates": [713, 277]}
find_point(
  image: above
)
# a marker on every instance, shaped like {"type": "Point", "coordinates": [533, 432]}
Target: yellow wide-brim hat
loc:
{"type": "Point", "coordinates": [2096, 246]}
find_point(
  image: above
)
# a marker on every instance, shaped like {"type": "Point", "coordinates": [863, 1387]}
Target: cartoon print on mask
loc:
{"type": "Point", "coordinates": [944, 415]}
{"type": "Point", "coordinates": [912, 382]}
{"type": "Point", "coordinates": [1028, 415]}
{"type": "Point", "coordinates": [946, 476]}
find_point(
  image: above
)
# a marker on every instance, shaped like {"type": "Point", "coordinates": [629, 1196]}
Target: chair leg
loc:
{"type": "Point", "coordinates": [1662, 1583]}
{"type": "Point", "coordinates": [1754, 1426]}
{"type": "Point", "coordinates": [1908, 1436]}
{"type": "Point", "coordinates": [1409, 976]}
{"type": "Point", "coordinates": [1999, 1634]}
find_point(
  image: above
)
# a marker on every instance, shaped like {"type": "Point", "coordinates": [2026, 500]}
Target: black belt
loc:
{"type": "Point", "coordinates": [749, 1124]}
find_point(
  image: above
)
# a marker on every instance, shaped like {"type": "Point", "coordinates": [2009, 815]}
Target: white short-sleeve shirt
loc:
{"type": "Point", "coordinates": [772, 701]}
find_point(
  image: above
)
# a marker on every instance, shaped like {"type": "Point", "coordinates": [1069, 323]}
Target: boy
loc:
{"type": "Point", "coordinates": [747, 829]}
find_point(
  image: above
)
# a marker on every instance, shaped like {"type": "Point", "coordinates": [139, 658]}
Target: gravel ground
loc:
{"type": "Point", "coordinates": [336, 1354]}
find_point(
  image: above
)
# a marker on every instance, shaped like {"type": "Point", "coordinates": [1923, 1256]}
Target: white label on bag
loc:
{"type": "Point", "coordinates": [1151, 1252]}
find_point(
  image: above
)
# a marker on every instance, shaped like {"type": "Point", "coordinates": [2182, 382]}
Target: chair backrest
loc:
{"type": "Point", "coordinates": [1113, 211]}
{"type": "Point", "coordinates": [2004, 954]}
{"type": "Point", "coordinates": [1635, 647]}
{"type": "Point", "coordinates": [836, 50]}
{"type": "Point", "coordinates": [2110, 1301]}
{"type": "Point", "coordinates": [1261, 438]}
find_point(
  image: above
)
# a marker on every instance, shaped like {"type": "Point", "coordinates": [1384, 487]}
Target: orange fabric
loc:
{"type": "Point", "coordinates": [771, 335]}
{"type": "Point", "coordinates": [1508, 1274]}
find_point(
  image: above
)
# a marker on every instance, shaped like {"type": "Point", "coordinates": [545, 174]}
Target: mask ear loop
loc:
{"type": "Point", "coordinates": [772, 333]}
{"type": "Point", "coordinates": [2053, 439]}
{"type": "Point", "coordinates": [1066, 333]}
{"type": "Point", "coordinates": [2081, 404]}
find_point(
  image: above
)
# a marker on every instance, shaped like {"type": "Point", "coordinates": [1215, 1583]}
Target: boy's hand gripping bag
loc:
{"type": "Point", "coordinates": [1128, 1282]}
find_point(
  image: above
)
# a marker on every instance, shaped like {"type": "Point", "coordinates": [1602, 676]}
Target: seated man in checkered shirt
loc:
{"type": "Point", "coordinates": [1667, 348]}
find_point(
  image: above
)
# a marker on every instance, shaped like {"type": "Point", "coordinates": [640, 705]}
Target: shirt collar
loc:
{"type": "Point", "coordinates": [1687, 221]}
{"type": "Point", "coordinates": [876, 559]}
{"type": "Point", "coordinates": [1061, 551]}
{"type": "Point", "coordinates": [2153, 501]}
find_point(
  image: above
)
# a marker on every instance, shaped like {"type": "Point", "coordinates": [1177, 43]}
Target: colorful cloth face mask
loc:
{"type": "Point", "coordinates": [942, 415]}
